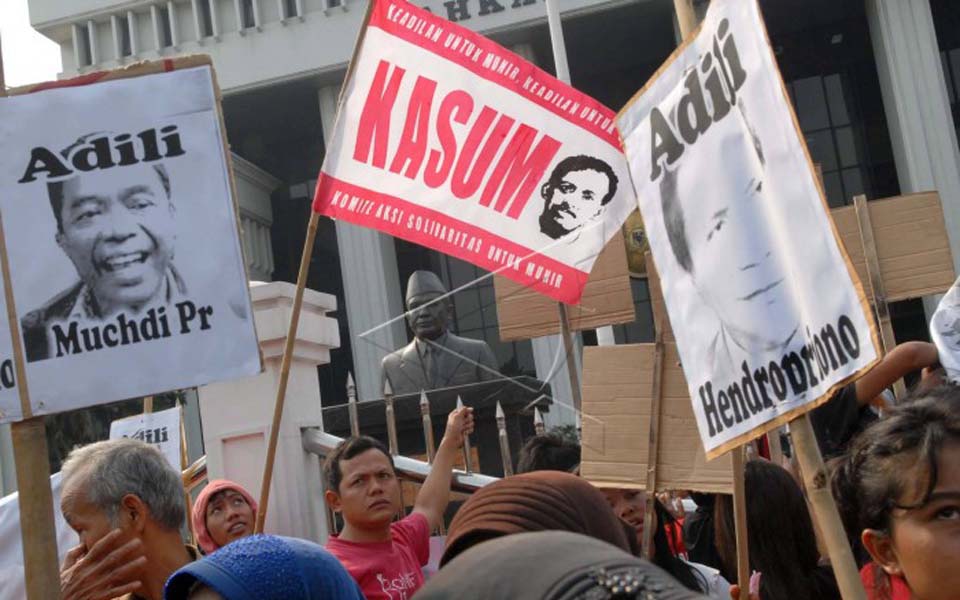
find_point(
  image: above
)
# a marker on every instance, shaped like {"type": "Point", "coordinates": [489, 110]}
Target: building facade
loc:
{"type": "Point", "coordinates": [875, 84]}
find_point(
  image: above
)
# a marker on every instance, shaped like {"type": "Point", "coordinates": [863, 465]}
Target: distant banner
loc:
{"type": "Point", "coordinates": [767, 310]}
{"type": "Point", "coordinates": [122, 235]}
{"type": "Point", "coordinates": [159, 429]}
{"type": "Point", "coordinates": [450, 141]}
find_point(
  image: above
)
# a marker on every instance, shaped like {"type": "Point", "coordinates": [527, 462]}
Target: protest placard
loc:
{"type": "Point", "coordinates": [767, 310]}
{"type": "Point", "coordinates": [159, 429]}
{"type": "Point", "coordinates": [122, 238]}
{"type": "Point", "coordinates": [450, 141]}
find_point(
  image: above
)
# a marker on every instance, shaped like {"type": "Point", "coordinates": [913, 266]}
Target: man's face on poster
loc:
{"type": "Point", "coordinates": [572, 201]}
{"type": "Point", "coordinates": [118, 230]}
{"type": "Point", "coordinates": [736, 266]}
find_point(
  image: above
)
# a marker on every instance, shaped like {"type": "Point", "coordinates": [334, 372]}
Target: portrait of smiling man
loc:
{"type": "Point", "coordinates": [575, 194]}
{"type": "Point", "coordinates": [118, 228]}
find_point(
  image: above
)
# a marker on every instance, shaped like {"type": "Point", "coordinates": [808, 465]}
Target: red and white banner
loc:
{"type": "Point", "coordinates": [450, 141]}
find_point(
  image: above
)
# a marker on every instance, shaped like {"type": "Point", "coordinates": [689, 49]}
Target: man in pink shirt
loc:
{"type": "Point", "coordinates": [383, 556]}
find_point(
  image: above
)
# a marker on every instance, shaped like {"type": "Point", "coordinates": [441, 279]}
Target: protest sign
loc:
{"type": "Point", "coordinates": [945, 332]}
{"type": "Point", "coordinates": [122, 238]}
{"type": "Point", "coordinates": [767, 310]}
{"type": "Point", "coordinates": [617, 401]}
{"type": "Point", "coordinates": [159, 429]}
{"type": "Point", "coordinates": [450, 141]}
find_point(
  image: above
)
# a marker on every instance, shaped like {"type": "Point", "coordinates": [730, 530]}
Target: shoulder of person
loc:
{"type": "Point", "coordinates": [57, 307]}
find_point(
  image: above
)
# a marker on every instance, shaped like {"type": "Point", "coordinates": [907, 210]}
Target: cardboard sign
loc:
{"type": "Point", "coordinates": [450, 141]}
{"type": "Point", "coordinates": [767, 310]}
{"type": "Point", "coordinates": [122, 236]}
{"type": "Point", "coordinates": [159, 429]}
{"type": "Point", "coordinates": [617, 384]}
{"type": "Point", "coordinates": [607, 300]}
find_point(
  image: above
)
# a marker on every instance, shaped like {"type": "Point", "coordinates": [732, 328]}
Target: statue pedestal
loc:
{"type": "Point", "coordinates": [237, 415]}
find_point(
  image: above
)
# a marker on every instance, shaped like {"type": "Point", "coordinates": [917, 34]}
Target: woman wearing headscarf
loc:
{"type": "Point", "coordinates": [551, 565]}
{"type": "Point", "coordinates": [223, 512]}
{"type": "Point", "coordinates": [537, 501]}
{"type": "Point", "coordinates": [264, 567]}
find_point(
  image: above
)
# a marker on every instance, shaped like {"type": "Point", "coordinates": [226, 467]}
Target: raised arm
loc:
{"type": "Point", "coordinates": [904, 358]}
{"type": "Point", "coordinates": [435, 493]}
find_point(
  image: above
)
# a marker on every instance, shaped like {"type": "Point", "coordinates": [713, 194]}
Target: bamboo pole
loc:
{"type": "Point", "coordinates": [825, 510]}
{"type": "Point", "coordinates": [183, 467]}
{"type": "Point", "coordinates": [37, 531]}
{"type": "Point", "coordinates": [147, 404]}
{"type": "Point", "coordinates": [686, 16]}
{"type": "Point", "coordinates": [653, 448]}
{"type": "Point", "coordinates": [740, 523]}
{"type": "Point", "coordinates": [879, 293]}
{"type": "Point", "coordinates": [285, 369]}
{"type": "Point", "coordinates": [352, 406]}
{"type": "Point", "coordinates": [391, 418]}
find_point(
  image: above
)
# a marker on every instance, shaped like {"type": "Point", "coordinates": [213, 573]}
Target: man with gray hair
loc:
{"type": "Point", "coordinates": [127, 505]}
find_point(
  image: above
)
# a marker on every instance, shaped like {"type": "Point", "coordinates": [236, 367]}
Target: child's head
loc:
{"type": "Point", "coordinates": [361, 482]}
{"type": "Point", "coordinates": [898, 490]}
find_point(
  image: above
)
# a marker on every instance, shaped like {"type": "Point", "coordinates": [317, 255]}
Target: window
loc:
{"type": "Point", "coordinates": [83, 46]}
{"type": "Point", "coordinates": [641, 330]}
{"type": "Point", "coordinates": [166, 30]}
{"type": "Point", "coordinates": [290, 9]}
{"type": "Point", "coordinates": [247, 14]}
{"type": "Point", "coordinates": [206, 18]}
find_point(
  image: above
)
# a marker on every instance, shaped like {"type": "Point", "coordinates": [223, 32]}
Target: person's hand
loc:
{"type": "Point", "coordinates": [459, 424]}
{"type": "Point", "coordinates": [107, 571]}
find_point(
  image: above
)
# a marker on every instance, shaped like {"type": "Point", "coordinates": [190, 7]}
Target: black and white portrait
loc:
{"type": "Point", "coordinates": [576, 193]}
{"type": "Point", "coordinates": [122, 235]}
{"type": "Point", "coordinates": [118, 227]}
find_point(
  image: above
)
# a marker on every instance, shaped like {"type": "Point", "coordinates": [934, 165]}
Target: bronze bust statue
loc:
{"type": "Point", "coordinates": [435, 358]}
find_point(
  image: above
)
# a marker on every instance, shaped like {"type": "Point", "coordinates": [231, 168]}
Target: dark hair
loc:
{"type": "Point", "coordinates": [673, 219]}
{"type": "Point", "coordinates": [780, 535]}
{"type": "Point", "coordinates": [55, 188]}
{"type": "Point", "coordinates": [345, 450]}
{"type": "Point", "coordinates": [548, 452]}
{"type": "Point", "coordinates": [584, 163]}
{"type": "Point", "coordinates": [664, 557]}
{"type": "Point", "coordinates": [894, 457]}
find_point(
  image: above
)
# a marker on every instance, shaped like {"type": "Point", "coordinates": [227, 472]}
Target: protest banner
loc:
{"type": "Point", "coordinates": [159, 429]}
{"type": "Point", "coordinates": [773, 316]}
{"type": "Point", "coordinates": [111, 179]}
{"type": "Point", "coordinates": [769, 316]}
{"type": "Point", "coordinates": [450, 141]}
{"type": "Point", "coordinates": [945, 332]}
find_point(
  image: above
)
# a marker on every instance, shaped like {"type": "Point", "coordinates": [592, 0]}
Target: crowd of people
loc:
{"type": "Point", "coordinates": [545, 533]}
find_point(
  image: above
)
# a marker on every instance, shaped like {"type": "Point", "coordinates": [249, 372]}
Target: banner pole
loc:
{"type": "Point", "coordinates": [37, 531]}
{"type": "Point", "coordinates": [877, 287]}
{"type": "Point", "coordinates": [740, 523]}
{"type": "Point", "coordinates": [183, 467]}
{"type": "Point", "coordinates": [653, 448]}
{"type": "Point", "coordinates": [825, 510]}
{"type": "Point", "coordinates": [285, 368]}
{"type": "Point", "coordinates": [686, 16]}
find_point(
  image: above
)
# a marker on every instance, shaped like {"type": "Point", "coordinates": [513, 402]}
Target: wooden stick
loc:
{"type": "Point", "coordinates": [391, 419]}
{"type": "Point", "coordinates": [505, 457]}
{"type": "Point", "coordinates": [352, 406]}
{"type": "Point", "coordinates": [686, 16]}
{"type": "Point", "coordinates": [183, 467]}
{"type": "Point", "coordinates": [427, 426]}
{"type": "Point", "coordinates": [467, 450]}
{"type": "Point", "coordinates": [147, 404]}
{"type": "Point", "coordinates": [38, 533]}
{"type": "Point", "coordinates": [876, 282]}
{"type": "Point", "coordinates": [653, 452]}
{"type": "Point", "coordinates": [285, 368]}
{"type": "Point", "coordinates": [740, 524]}
{"type": "Point", "coordinates": [825, 510]}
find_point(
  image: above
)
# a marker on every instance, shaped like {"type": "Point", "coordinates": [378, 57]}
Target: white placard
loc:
{"type": "Point", "coordinates": [123, 240]}
{"type": "Point", "coordinates": [159, 429]}
{"type": "Point", "coordinates": [768, 314]}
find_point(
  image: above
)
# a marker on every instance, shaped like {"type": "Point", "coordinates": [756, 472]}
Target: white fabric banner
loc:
{"type": "Point", "coordinates": [448, 140]}
{"type": "Point", "coordinates": [945, 331]}
{"type": "Point", "coordinates": [12, 585]}
{"type": "Point", "coordinates": [159, 429]}
{"type": "Point", "coordinates": [768, 313]}
{"type": "Point", "coordinates": [123, 240]}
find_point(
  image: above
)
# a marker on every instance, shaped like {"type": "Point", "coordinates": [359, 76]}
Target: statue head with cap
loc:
{"type": "Point", "coordinates": [426, 316]}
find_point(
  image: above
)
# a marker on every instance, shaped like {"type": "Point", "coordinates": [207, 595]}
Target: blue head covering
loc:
{"type": "Point", "coordinates": [267, 567]}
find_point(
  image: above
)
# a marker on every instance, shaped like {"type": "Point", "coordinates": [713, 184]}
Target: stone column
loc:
{"type": "Point", "coordinates": [237, 414]}
{"type": "Point", "coordinates": [371, 283]}
{"type": "Point", "coordinates": [917, 106]}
